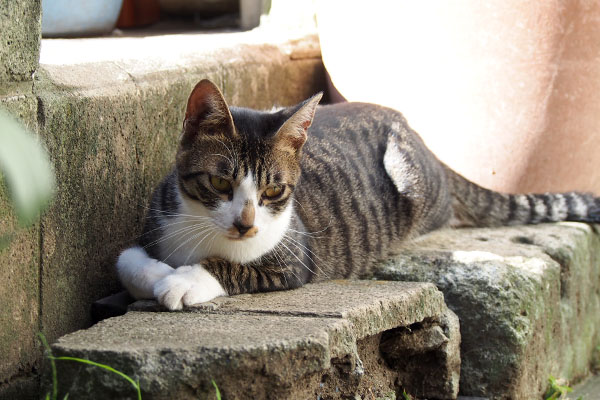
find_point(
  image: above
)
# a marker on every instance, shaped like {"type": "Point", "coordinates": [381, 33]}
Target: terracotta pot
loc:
{"type": "Point", "coordinates": [136, 13]}
{"type": "Point", "coordinates": [506, 92]}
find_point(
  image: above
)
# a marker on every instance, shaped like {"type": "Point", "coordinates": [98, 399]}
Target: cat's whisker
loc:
{"type": "Point", "coordinates": [297, 258]}
{"type": "Point", "coordinates": [226, 158]}
{"type": "Point", "coordinates": [181, 230]}
{"type": "Point", "coordinates": [172, 214]}
{"type": "Point", "coordinates": [297, 243]}
{"type": "Point", "coordinates": [309, 257]}
{"type": "Point", "coordinates": [278, 258]}
{"type": "Point", "coordinates": [284, 267]}
{"type": "Point", "coordinates": [231, 153]}
{"type": "Point", "coordinates": [178, 232]}
{"type": "Point", "coordinates": [184, 243]}
{"type": "Point", "coordinates": [211, 242]}
{"type": "Point", "coordinates": [308, 234]}
{"type": "Point", "coordinates": [300, 204]}
{"type": "Point", "coordinates": [210, 231]}
{"type": "Point", "coordinates": [185, 221]}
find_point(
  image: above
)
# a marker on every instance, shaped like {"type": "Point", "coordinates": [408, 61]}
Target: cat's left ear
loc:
{"type": "Point", "coordinates": [292, 134]}
{"type": "Point", "coordinates": [206, 112]}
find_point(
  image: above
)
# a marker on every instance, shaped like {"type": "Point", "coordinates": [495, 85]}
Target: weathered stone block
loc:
{"type": "Point", "coordinates": [19, 272]}
{"type": "Point", "coordinates": [25, 388]}
{"type": "Point", "coordinates": [20, 30]}
{"type": "Point", "coordinates": [19, 293]}
{"type": "Point", "coordinates": [427, 355]}
{"type": "Point", "coordinates": [21, 103]}
{"type": "Point", "coordinates": [322, 340]}
{"type": "Point", "coordinates": [527, 298]}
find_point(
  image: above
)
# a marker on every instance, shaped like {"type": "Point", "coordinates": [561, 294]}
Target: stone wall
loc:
{"type": "Point", "coordinates": [20, 26]}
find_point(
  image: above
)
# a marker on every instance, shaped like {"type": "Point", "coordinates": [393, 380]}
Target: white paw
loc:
{"type": "Point", "coordinates": [139, 272]}
{"type": "Point", "coordinates": [187, 286]}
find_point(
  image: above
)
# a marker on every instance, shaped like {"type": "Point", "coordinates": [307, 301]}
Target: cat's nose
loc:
{"type": "Point", "coordinates": [242, 229]}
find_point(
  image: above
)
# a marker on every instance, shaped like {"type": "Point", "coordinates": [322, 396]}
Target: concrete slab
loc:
{"type": "Point", "coordinates": [371, 306]}
{"type": "Point", "coordinates": [19, 268]}
{"type": "Point", "coordinates": [589, 389]}
{"type": "Point", "coordinates": [175, 355]}
{"type": "Point", "coordinates": [21, 23]}
{"type": "Point", "coordinates": [19, 294]}
{"type": "Point", "coordinates": [527, 298]}
{"type": "Point", "coordinates": [262, 346]}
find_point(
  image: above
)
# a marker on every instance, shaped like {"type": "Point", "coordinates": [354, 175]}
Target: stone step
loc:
{"type": "Point", "coordinates": [528, 300]}
{"type": "Point", "coordinates": [326, 340]}
{"type": "Point", "coordinates": [589, 389]}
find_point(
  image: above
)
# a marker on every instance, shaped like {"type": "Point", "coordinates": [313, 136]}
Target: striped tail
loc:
{"type": "Point", "coordinates": [475, 206]}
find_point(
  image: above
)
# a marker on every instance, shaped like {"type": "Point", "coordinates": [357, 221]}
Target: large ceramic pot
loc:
{"type": "Point", "coordinates": [69, 18]}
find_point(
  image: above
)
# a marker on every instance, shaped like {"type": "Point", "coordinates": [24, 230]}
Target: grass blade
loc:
{"type": "Point", "coordinates": [135, 384]}
{"type": "Point", "coordinates": [52, 365]}
{"type": "Point", "coordinates": [217, 391]}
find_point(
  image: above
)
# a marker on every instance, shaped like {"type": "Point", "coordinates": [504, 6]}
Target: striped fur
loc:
{"type": "Point", "coordinates": [479, 207]}
{"type": "Point", "coordinates": [357, 183]}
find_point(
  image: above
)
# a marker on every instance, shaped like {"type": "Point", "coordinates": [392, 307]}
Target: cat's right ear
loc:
{"type": "Point", "coordinates": [292, 134]}
{"type": "Point", "coordinates": [206, 113]}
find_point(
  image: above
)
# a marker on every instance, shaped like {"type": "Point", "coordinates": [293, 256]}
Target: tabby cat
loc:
{"type": "Point", "coordinates": [262, 201]}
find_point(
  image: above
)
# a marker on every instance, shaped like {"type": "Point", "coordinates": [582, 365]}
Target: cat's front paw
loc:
{"type": "Point", "coordinates": [187, 286]}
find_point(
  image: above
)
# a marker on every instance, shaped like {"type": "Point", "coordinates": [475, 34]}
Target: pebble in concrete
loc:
{"type": "Point", "coordinates": [320, 340]}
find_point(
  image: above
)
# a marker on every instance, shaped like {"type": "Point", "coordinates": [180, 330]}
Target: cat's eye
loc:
{"type": "Point", "coordinates": [273, 191]}
{"type": "Point", "coordinates": [220, 184]}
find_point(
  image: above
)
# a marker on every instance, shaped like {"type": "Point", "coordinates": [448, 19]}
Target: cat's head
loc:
{"type": "Point", "coordinates": [239, 167]}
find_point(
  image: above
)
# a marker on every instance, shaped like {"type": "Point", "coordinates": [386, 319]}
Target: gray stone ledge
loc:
{"type": "Point", "coordinates": [380, 306]}
{"type": "Point", "coordinates": [322, 339]}
{"type": "Point", "coordinates": [527, 299]}
{"type": "Point", "coordinates": [259, 69]}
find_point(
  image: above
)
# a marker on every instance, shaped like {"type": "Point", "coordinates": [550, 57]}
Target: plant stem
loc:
{"type": "Point", "coordinates": [106, 367]}
{"type": "Point", "coordinates": [52, 365]}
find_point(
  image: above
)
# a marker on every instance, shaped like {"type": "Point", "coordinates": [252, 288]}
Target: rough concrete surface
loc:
{"type": "Point", "coordinates": [20, 105]}
{"type": "Point", "coordinates": [527, 298]}
{"type": "Point", "coordinates": [381, 305]}
{"type": "Point", "coordinates": [19, 286]}
{"type": "Point", "coordinates": [20, 26]}
{"type": "Point", "coordinates": [20, 32]}
{"type": "Point", "coordinates": [588, 389]}
{"type": "Point", "coordinates": [263, 346]}
{"type": "Point", "coordinates": [427, 356]}
{"type": "Point", "coordinates": [19, 268]}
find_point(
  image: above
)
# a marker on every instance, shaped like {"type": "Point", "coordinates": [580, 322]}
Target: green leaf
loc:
{"type": "Point", "coordinates": [556, 390]}
{"type": "Point", "coordinates": [217, 391]}
{"type": "Point", "coordinates": [27, 169]}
